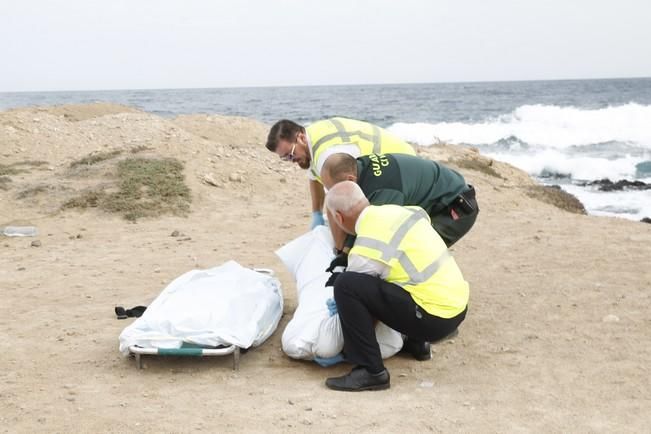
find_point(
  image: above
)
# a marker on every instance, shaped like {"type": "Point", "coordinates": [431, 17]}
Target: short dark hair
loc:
{"type": "Point", "coordinates": [283, 129]}
{"type": "Point", "coordinates": [339, 165]}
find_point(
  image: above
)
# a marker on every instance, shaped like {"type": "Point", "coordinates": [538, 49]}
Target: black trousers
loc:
{"type": "Point", "coordinates": [361, 299]}
{"type": "Point", "coordinates": [454, 221]}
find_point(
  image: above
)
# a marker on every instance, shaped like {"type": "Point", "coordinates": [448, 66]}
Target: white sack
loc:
{"type": "Point", "coordinates": [312, 332]}
{"type": "Point", "coordinates": [224, 305]}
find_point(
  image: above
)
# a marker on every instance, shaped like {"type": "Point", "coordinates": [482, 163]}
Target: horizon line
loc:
{"type": "Point", "coordinates": [331, 85]}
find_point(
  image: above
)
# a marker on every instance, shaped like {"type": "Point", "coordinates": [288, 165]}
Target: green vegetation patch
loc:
{"type": "Point", "coordinates": [95, 158]}
{"type": "Point", "coordinates": [554, 195]}
{"type": "Point", "coordinates": [145, 188]}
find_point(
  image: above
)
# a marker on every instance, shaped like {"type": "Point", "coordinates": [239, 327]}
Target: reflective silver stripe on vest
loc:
{"type": "Point", "coordinates": [376, 140]}
{"type": "Point", "coordinates": [390, 250]}
{"type": "Point", "coordinates": [415, 276]}
{"type": "Point", "coordinates": [341, 133]}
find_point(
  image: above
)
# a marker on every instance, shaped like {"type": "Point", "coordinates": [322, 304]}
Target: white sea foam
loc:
{"type": "Point", "coordinates": [630, 204]}
{"type": "Point", "coordinates": [545, 126]}
{"type": "Point", "coordinates": [579, 167]}
{"type": "Point", "coordinates": [578, 143]}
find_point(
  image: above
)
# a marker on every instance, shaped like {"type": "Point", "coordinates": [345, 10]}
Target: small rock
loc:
{"type": "Point", "coordinates": [36, 243]}
{"type": "Point", "coordinates": [426, 384]}
{"type": "Point", "coordinates": [209, 179]}
{"type": "Point", "coordinates": [283, 180]}
{"type": "Point", "coordinates": [175, 234]}
{"type": "Point", "coordinates": [610, 318]}
{"type": "Point", "coordinates": [290, 402]}
{"type": "Point", "coordinates": [308, 408]}
{"type": "Point", "coordinates": [235, 177]}
{"type": "Point", "coordinates": [21, 269]}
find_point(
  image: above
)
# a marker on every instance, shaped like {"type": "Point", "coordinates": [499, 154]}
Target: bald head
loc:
{"type": "Point", "coordinates": [338, 167]}
{"type": "Point", "coordinates": [345, 201]}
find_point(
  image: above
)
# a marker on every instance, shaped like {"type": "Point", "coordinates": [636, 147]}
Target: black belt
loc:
{"type": "Point", "coordinates": [464, 201]}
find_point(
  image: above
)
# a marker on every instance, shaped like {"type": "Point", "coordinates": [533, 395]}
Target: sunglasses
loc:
{"type": "Point", "coordinates": [290, 156]}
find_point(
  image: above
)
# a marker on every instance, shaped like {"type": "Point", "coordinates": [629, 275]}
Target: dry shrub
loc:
{"type": "Point", "coordinates": [95, 158]}
{"type": "Point", "coordinates": [483, 166]}
{"type": "Point", "coordinates": [554, 195]}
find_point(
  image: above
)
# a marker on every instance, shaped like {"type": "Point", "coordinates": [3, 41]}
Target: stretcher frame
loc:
{"type": "Point", "coordinates": [186, 350]}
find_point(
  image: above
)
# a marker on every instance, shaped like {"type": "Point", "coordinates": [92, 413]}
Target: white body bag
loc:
{"type": "Point", "coordinates": [312, 332]}
{"type": "Point", "coordinates": [221, 306]}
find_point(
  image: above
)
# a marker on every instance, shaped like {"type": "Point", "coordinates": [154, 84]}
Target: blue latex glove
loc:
{"type": "Point", "coordinates": [332, 306]}
{"type": "Point", "coordinates": [317, 219]}
{"type": "Point", "coordinates": [329, 361]}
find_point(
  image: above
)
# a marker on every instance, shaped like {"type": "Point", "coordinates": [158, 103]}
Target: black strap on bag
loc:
{"type": "Point", "coordinates": [135, 311]}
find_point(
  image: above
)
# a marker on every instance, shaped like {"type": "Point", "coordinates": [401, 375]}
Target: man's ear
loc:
{"type": "Point", "coordinates": [339, 218]}
{"type": "Point", "coordinates": [351, 177]}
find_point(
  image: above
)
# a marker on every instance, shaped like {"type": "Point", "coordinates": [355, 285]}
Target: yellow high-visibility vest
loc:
{"type": "Point", "coordinates": [369, 138]}
{"type": "Point", "coordinates": [418, 260]}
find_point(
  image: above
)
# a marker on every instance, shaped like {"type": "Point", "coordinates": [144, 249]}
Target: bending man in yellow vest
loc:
{"type": "Point", "coordinates": [310, 147]}
{"type": "Point", "coordinates": [399, 272]}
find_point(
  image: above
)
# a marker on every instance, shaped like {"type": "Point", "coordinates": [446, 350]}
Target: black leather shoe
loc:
{"type": "Point", "coordinates": [420, 350]}
{"type": "Point", "coordinates": [360, 379]}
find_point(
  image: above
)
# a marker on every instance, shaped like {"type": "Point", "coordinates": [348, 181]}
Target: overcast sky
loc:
{"type": "Point", "coordinates": [144, 44]}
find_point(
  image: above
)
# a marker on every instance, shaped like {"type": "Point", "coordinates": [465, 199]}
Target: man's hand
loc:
{"type": "Point", "coordinates": [329, 361]}
{"type": "Point", "coordinates": [332, 306]}
{"type": "Point", "coordinates": [341, 260]}
{"type": "Point", "coordinates": [331, 279]}
{"type": "Point", "coordinates": [317, 219]}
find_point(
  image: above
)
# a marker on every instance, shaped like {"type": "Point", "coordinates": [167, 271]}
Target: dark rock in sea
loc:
{"type": "Point", "coordinates": [623, 184]}
{"type": "Point", "coordinates": [546, 174]}
{"type": "Point", "coordinates": [646, 220]}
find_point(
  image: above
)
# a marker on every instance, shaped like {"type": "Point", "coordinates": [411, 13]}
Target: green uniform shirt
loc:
{"type": "Point", "coordinates": [407, 180]}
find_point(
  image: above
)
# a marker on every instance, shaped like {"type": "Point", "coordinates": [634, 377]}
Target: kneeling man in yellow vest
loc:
{"type": "Point", "coordinates": [399, 272]}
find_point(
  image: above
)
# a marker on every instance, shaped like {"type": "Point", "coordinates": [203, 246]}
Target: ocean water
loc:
{"type": "Point", "coordinates": [568, 132]}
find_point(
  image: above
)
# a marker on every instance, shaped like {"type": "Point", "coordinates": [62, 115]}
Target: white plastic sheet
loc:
{"type": "Point", "coordinates": [312, 332]}
{"type": "Point", "coordinates": [224, 305]}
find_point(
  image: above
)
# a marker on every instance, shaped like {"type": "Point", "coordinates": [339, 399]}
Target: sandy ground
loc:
{"type": "Point", "coordinates": [557, 339]}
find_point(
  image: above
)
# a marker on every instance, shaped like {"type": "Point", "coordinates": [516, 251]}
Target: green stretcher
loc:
{"type": "Point", "coordinates": [187, 350]}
